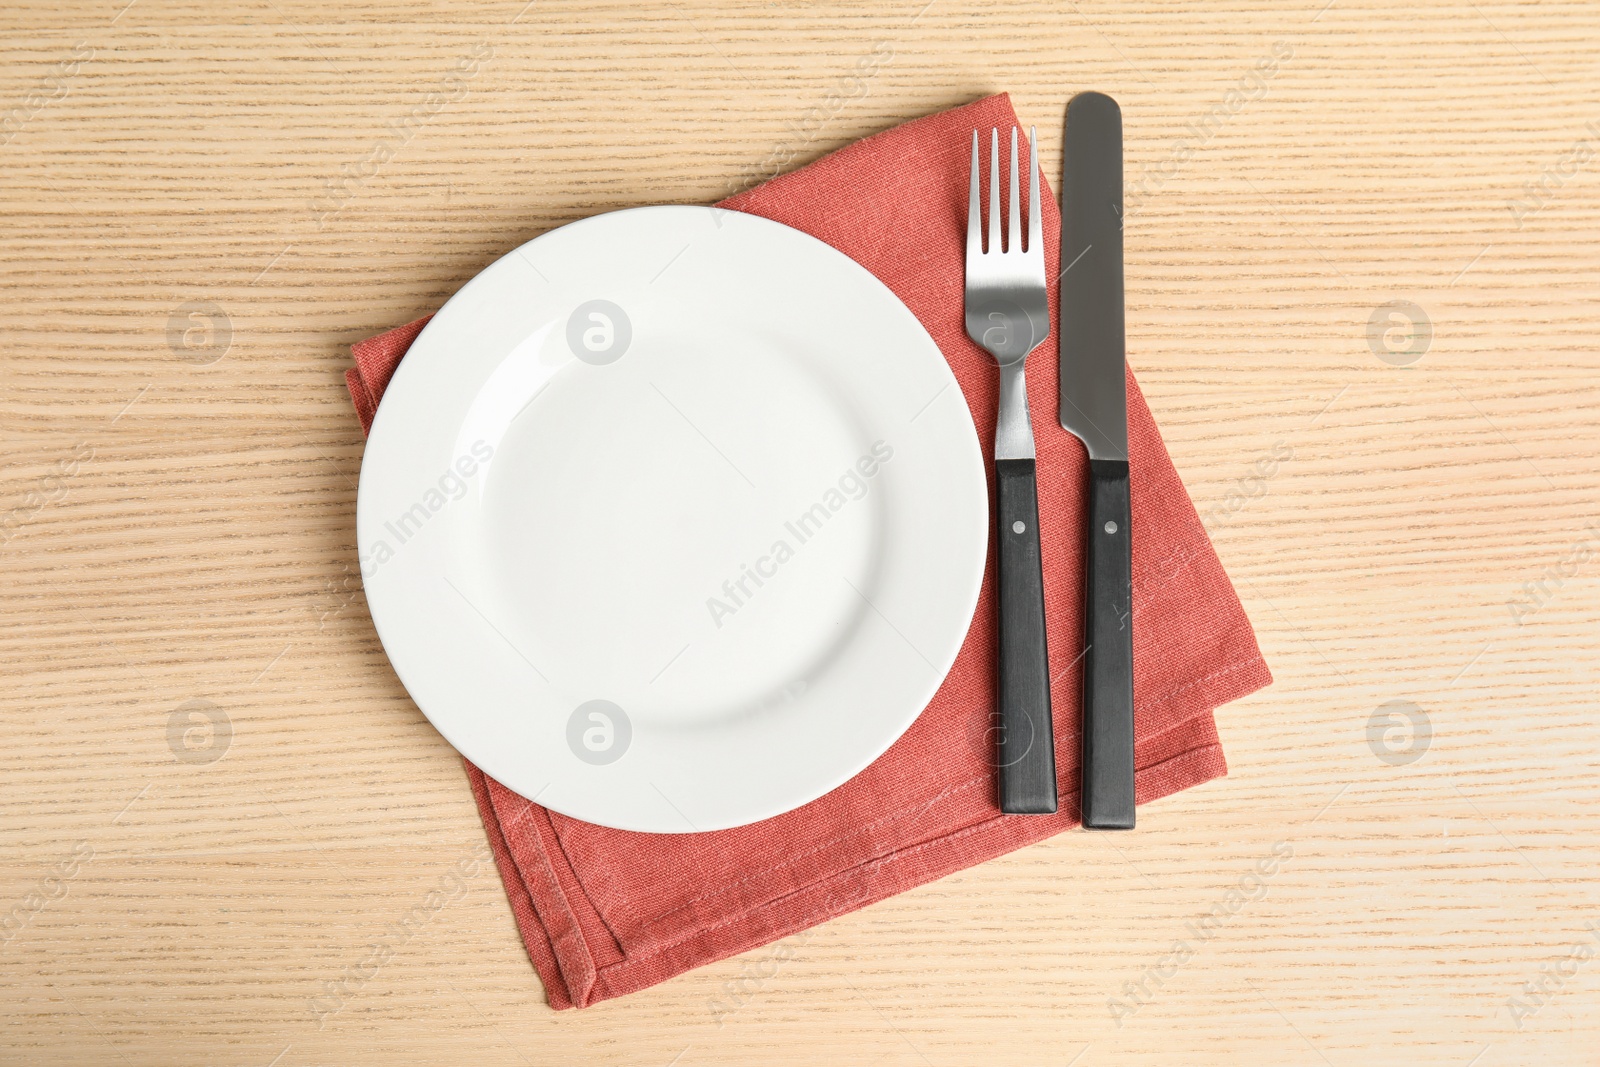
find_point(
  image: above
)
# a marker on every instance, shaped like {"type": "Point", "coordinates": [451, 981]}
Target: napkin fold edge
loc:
{"type": "Point", "coordinates": [559, 952]}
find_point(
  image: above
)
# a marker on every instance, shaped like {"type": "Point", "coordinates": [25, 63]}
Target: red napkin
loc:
{"type": "Point", "coordinates": [607, 912]}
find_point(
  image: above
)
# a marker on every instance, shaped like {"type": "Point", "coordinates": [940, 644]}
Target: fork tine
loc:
{"type": "Point", "coordinates": [974, 208]}
{"type": "Point", "coordinates": [994, 189]}
{"type": "Point", "coordinates": [1014, 231]}
{"type": "Point", "coordinates": [1035, 219]}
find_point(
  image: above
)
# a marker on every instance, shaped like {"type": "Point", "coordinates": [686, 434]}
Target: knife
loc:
{"type": "Point", "coordinates": [1094, 407]}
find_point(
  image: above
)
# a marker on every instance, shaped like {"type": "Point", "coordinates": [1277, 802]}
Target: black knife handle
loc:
{"type": "Point", "coordinates": [1027, 748]}
{"type": "Point", "coordinates": [1107, 797]}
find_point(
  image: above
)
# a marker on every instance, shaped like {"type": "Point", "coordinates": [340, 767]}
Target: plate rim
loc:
{"type": "Point", "coordinates": [968, 602]}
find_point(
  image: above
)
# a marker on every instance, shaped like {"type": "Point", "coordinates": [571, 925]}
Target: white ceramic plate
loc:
{"type": "Point", "coordinates": [673, 519]}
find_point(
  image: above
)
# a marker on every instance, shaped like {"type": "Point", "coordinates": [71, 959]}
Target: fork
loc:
{"type": "Point", "coordinates": [1008, 314]}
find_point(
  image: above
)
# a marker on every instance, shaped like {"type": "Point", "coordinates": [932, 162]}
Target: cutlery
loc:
{"type": "Point", "coordinates": [1094, 407]}
{"type": "Point", "coordinates": [1008, 314]}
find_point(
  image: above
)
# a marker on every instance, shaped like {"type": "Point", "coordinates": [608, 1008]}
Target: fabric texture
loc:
{"type": "Point", "coordinates": [608, 912]}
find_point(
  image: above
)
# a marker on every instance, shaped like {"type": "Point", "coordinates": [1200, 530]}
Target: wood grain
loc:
{"type": "Point", "coordinates": [180, 531]}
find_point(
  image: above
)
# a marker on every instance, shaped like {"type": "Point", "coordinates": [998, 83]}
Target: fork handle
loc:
{"type": "Point", "coordinates": [1027, 751]}
{"type": "Point", "coordinates": [1106, 802]}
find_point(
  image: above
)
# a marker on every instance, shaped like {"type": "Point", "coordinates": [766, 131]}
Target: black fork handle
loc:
{"type": "Point", "coordinates": [1027, 750]}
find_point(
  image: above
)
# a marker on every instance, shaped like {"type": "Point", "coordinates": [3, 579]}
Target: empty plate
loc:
{"type": "Point", "coordinates": [673, 519]}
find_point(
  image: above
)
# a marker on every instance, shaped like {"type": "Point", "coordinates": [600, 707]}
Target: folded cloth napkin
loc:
{"type": "Point", "coordinates": [607, 912]}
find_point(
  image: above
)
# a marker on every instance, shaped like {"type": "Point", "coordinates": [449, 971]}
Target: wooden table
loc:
{"type": "Point", "coordinates": [199, 218]}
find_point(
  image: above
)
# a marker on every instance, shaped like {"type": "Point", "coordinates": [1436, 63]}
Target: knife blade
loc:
{"type": "Point", "coordinates": [1094, 407]}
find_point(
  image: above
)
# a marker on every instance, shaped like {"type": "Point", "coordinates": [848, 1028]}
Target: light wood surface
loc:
{"type": "Point", "coordinates": [181, 531]}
